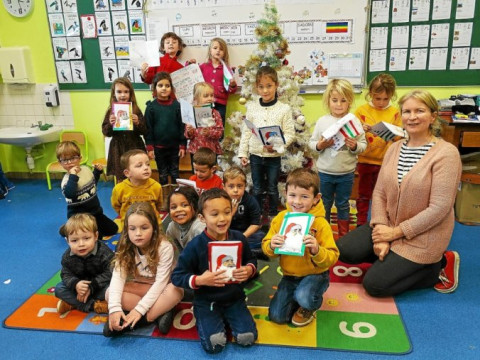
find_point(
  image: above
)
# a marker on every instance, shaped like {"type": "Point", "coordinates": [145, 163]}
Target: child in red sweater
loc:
{"type": "Point", "coordinates": [204, 166]}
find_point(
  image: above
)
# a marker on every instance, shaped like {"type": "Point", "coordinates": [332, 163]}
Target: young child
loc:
{"type": "Point", "coordinates": [86, 269]}
{"type": "Point", "coordinates": [305, 278]}
{"type": "Point", "coordinates": [212, 72]}
{"type": "Point", "coordinates": [122, 91]}
{"type": "Point", "coordinates": [379, 108]}
{"type": "Point", "coordinates": [215, 302]}
{"type": "Point", "coordinates": [185, 225]}
{"type": "Point", "coordinates": [79, 186]}
{"type": "Point", "coordinates": [204, 166]}
{"type": "Point", "coordinates": [138, 185]}
{"type": "Point", "coordinates": [205, 136]}
{"type": "Point", "coordinates": [140, 291]}
{"type": "Point", "coordinates": [165, 139]}
{"type": "Point", "coordinates": [171, 46]}
{"type": "Point", "coordinates": [337, 168]}
{"type": "Point", "coordinates": [247, 212]}
{"type": "Point", "coordinates": [265, 161]}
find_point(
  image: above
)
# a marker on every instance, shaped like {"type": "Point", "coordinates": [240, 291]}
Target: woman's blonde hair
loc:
{"type": "Point", "coordinates": [125, 253]}
{"type": "Point", "coordinates": [343, 87]}
{"type": "Point", "coordinates": [429, 100]}
{"type": "Point", "coordinates": [223, 47]}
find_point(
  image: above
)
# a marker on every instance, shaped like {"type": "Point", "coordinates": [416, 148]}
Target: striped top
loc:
{"type": "Point", "coordinates": [409, 156]}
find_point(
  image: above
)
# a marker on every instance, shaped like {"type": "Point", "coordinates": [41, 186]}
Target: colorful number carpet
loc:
{"type": "Point", "coordinates": [349, 319]}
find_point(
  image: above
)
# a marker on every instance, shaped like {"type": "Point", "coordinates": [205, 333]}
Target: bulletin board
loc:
{"type": "Point", "coordinates": [441, 45]}
{"type": "Point", "coordinates": [317, 53]}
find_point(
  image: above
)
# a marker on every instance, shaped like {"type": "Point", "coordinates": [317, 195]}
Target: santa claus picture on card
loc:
{"type": "Point", "coordinates": [225, 255]}
{"type": "Point", "coordinates": [294, 226]}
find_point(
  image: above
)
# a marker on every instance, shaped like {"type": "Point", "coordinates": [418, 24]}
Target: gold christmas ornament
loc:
{"type": "Point", "coordinates": [242, 101]}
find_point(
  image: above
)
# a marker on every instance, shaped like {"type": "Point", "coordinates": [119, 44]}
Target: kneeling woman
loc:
{"type": "Point", "coordinates": [412, 209]}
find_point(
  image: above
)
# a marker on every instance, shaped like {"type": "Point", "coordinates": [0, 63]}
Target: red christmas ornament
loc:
{"type": "Point", "coordinates": [285, 62]}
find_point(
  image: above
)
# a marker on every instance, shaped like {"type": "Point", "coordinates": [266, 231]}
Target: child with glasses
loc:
{"type": "Point", "coordinates": [79, 186]}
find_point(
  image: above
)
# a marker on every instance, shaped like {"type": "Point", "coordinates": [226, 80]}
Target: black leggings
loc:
{"type": "Point", "coordinates": [389, 277]}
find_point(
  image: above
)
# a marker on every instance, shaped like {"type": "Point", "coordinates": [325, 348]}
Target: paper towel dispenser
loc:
{"type": "Point", "coordinates": [16, 65]}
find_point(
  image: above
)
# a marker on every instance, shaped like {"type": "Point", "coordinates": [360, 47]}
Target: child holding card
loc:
{"type": "Point", "coordinates": [209, 128]}
{"type": "Point", "coordinates": [336, 167]}
{"type": "Point", "coordinates": [305, 276]}
{"type": "Point", "coordinates": [217, 300]}
{"type": "Point", "coordinates": [125, 139]}
{"type": "Point", "coordinates": [377, 109]}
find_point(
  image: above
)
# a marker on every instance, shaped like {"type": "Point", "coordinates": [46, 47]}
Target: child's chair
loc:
{"type": "Point", "coordinates": [77, 136]}
{"type": "Point", "coordinates": [103, 161]}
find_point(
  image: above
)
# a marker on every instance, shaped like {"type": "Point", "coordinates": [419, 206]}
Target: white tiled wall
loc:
{"type": "Point", "coordinates": [24, 105]}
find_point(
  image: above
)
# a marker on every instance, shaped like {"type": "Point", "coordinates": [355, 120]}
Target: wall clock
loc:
{"type": "Point", "coordinates": [18, 8]}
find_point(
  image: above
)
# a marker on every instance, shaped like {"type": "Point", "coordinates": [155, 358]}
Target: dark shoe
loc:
{"type": "Point", "coordinates": [165, 321]}
{"type": "Point", "coordinates": [111, 333]}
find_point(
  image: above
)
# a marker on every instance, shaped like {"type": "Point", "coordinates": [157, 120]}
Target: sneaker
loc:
{"type": "Point", "coordinates": [448, 278]}
{"type": "Point", "coordinates": [303, 317]}
{"type": "Point", "coordinates": [165, 321]}
{"type": "Point", "coordinates": [100, 307]}
{"type": "Point", "coordinates": [63, 307]}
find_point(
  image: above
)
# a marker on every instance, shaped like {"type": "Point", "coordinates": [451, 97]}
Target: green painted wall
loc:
{"type": "Point", "coordinates": [89, 106]}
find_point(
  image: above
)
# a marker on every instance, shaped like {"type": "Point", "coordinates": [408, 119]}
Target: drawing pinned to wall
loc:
{"type": "Point", "coordinates": [107, 48]}
{"type": "Point", "coordinates": [120, 23]}
{"type": "Point", "coordinates": [89, 26]}
{"type": "Point", "coordinates": [104, 24]}
{"type": "Point", "coordinates": [74, 48]}
{"type": "Point", "coordinates": [72, 25]}
{"type": "Point", "coordinates": [101, 5]}
{"type": "Point", "coordinates": [110, 71]}
{"type": "Point", "coordinates": [70, 6]}
{"type": "Point", "coordinates": [125, 70]}
{"type": "Point", "coordinates": [117, 4]}
{"type": "Point", "coordinates": [319, 62]}
{"type": "Point", "coordinates": [60, 48]}
{"type": "Point", "coordinates": [64, 72]}
{"type": "Point", "coordinates": [134, 4]}
{"type": "Point", "coordinates": [136, 22]}
{"type": "Point", "coordinates": [57, 26]}
{"type": "Point", "coordinates": [122, 49]}
{"type": "Point", "coordinates": [78, 72]}
{"type": "Point", "coordinates": [53, 6]}
{"type": "Point", "coordinates": [474, 59]}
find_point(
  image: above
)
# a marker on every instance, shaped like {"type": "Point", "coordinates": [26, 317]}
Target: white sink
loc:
{"type": "Point", "coordinates": [28, 137]}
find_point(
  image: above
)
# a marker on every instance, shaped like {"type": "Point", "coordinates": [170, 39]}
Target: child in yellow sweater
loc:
{"type": "Point", "coordinates": [377, 109]}
{"type": "Point", "coordinates": [305, 278]}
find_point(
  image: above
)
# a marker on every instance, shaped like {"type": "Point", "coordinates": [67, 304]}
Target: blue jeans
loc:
{"type": "Point", "coordinates": [167, 160]}
{"type": "Point", "coordinates": [338, 188]}
{"type": "Point", "coordinates": [211, 319]}
{"type": "Point", "coordinates": [70, 296]}
{"type": "Point", "coordinates": [293, 292]}
{"type": "Point", "coordinates": [255, 240]}
{"type": "Point", "coordinates": [265, 174]}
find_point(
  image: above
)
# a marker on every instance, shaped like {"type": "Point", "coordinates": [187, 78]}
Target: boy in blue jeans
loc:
{"type": "Point", "coordinates": [305, 278]}
{"type": "Point", "coordinates": [216, 303]}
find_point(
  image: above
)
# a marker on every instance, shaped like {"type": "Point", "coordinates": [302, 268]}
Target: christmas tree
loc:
{"type": "Point", "coordinates": [272, 49]}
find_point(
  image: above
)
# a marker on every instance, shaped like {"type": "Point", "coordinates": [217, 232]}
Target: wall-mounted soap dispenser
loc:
{"type": "Point", "coordinates": [16, 65]}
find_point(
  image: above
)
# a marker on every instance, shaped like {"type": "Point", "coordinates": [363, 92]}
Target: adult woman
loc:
{"type": "Point", "coordinates": [412, 209]}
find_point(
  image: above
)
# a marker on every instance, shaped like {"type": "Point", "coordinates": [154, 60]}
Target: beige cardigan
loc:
{"type": "Point", "coordinates": [423, 203]}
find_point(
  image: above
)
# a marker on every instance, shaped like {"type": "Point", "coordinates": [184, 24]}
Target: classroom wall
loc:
{"type": "Point", "coordinates": [88, 107]}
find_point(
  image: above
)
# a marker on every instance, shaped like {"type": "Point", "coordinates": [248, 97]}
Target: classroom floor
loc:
{"type": "Point", "coordinates": [440, 326]}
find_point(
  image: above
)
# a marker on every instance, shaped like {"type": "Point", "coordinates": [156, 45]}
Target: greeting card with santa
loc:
{"type": "Point", "coordinates": [294, 226]}
{"type": "Point", "coordinates": [225, 255]}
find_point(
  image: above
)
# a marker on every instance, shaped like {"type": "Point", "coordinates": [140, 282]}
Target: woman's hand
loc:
{"type": "Point", "coordinates": [311, 243]}
{"type": "Point", "coordinates": [323, 143]}
{"type": "Point", "coordinates": [381, 249]}
{"type": "Point", "coordinates": [115, 319]}
{"type": "Point", "coordinates": [351, 143]}
{"type": "Point", "coordinates": [132, 318]}
{"type": "Point", "coordinates": [386, 233]}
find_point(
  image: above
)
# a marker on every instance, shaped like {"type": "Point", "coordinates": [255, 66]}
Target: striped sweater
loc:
{"type": "Point", "coordinates": [422, 205]}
